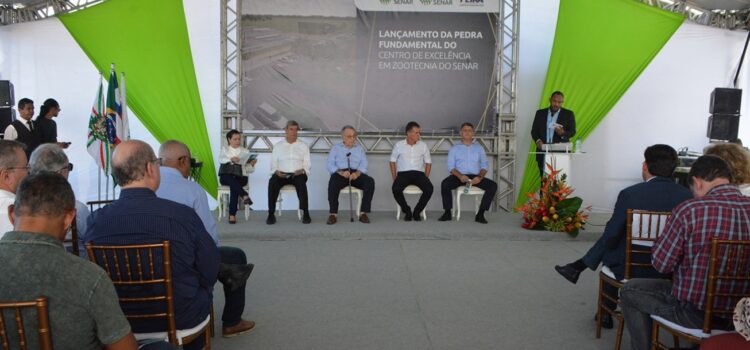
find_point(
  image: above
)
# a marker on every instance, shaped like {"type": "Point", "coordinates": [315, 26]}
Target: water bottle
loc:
{"type": "Point", "coordinates": [467, 187]}
{"type": "Point", "coordinates": [578, 146]}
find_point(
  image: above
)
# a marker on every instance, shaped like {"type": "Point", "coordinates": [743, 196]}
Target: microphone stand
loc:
{"type": "Point", "coordinates": [351, 207]}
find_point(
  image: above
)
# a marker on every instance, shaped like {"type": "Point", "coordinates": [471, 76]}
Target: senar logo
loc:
{"type": "Point", "coordinates": [385, 2]}
{"type": "Point", "coordinates": [426, 2]}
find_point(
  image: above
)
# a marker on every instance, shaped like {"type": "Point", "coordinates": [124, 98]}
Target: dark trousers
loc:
{"type": "Point", "coordinates": [236, 190]}
{"type": "Point", "coordinates": [451, 182]}
{"type": "Point", "coordinates": [414, 177]}
{"type": "Point", "coordinates": [540, 163]}
{"type": "Point", "coordinates": [337, 182]}
{"type": "Point", "coordinates": [234, 301]}
{"type": "Point", "coordinates": [275, 184]}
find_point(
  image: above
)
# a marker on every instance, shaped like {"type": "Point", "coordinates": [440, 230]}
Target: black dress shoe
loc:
{"type": "Point", "coordinates": [569, 272]}
{"type": "Point", "coordinates": [234, 276]}
{"type": "Point", "coordinates": [480, 219]}
{"type": "Point", "coordinates": [271, 219]}
{"type": "Point", "coordinates": [417, 216]}
{"type": "Point", "coordinates": [407, 216]}
{"type": "Point", "coordinates": [446, 216]}
{"type": "Point", "coordinates": [606, 320]}
{"type": "Point", "coordinates": [306, 218]}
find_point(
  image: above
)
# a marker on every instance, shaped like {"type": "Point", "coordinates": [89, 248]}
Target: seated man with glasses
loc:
{"type": "Point", "coordinates": [138, 216]}
{"type": "Point", "coordinates": [13, 168]}
{"type": "Point", "coordinates": [51, 158]}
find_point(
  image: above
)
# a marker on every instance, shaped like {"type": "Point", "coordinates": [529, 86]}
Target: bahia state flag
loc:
{"type": "Point", "coordinates": [117, 123]}
{"type": "Point", "coordinates": [98, 141]}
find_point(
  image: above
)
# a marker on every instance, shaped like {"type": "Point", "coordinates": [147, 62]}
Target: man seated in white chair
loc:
{"type": "Point", "coordinates": [290, 164]}
{"type": "Point", "coordinates": [410, 165]}
{"type": "Point", "coordinates": [719, 211]}
{"type": "Point", "coordinates": [347, 164]}
{"type": "Point", "coordinates": [467, 162]}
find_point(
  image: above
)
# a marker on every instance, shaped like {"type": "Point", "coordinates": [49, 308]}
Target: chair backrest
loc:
{"type": "Point", "coordinates": [73, 240]}
{"type": "Point", "coordinates": [135, 270]}
{"type": "Point", "coordinates": [643, 228]}
{"type": "Point", "coordinates": [43, 328]}
{"type": "Point", "coordinates": [728, 279]}
{"type": "Point", "coordinates": [94, 205]}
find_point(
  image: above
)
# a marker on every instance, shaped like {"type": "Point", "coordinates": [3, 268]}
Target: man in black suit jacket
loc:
{"type": "Point", "coordinates": [542, 133]}
{"type": "Point", "coordinates": [658, 192]}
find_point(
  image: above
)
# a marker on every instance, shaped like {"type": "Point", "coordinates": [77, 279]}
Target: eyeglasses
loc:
{"type": "Point", "coordinates": [68, 167]}
{"type": "Point", "coordinates": [27, 167]}
{"type": "Point", "coordinates": [158, 161]}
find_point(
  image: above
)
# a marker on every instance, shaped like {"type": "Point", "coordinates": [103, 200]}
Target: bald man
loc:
{"type": "Point", "coordinates": [234, 269]}
{"type": "Point", "coordinates": [13, 168]}
{"type": "Point", "coordinates": [140, 217]}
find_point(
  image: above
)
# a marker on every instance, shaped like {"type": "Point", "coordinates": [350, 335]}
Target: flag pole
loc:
{"type": "Point", "coordinates": [124, 101]}
{"type": "Point", "coordinates": [99, 172]}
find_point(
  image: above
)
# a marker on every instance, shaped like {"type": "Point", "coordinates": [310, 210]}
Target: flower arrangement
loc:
{"type": "Point", "coordinates": [554, 210]}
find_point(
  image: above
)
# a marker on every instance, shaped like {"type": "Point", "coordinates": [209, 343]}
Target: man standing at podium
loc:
{"type": "Point", "coordinates": [552, 125]}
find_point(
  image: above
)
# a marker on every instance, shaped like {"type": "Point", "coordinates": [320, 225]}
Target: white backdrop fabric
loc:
{"type": "Point", "coordinates": [668, 103]}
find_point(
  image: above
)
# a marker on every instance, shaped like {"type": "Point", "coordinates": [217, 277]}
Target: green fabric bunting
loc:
{"type": "Point", "coordinates": [148, 41]}
{"type": "Point", "coordinates": [600, 48]}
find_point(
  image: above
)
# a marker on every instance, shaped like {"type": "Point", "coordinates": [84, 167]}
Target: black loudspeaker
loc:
{"type": "Point", "coordinates": [725, 101]}
{"type": "Point", "coordinates": [7, 115]}
{"type": "Point", "coordinates": [723, 127]}
{"type": "Point", "coordinates": [6, 94]}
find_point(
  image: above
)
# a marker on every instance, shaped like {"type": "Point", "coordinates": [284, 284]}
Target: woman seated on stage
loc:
{"type": "Point", "coordinates": [235, 165]}
{"type": "Point", "coordinates": [738, 160]}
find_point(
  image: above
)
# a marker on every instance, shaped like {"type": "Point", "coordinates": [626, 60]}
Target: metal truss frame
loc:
{"type": "Point", "coordinates": [726, 19]}
{"type": "Point", "coordinates": [10, 14]}
{"type": "Point", "coordinates": [500, 143]}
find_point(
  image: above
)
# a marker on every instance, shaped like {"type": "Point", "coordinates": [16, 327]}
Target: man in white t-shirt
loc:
{"type": "Point", "coordinates": [13, 168]}
{"type": "Point", "coordinates": [410, 165]}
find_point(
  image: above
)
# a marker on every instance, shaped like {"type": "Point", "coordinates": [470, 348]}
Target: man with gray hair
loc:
{"type": "Point", "coordinates": [347, 164]}
{"type": "Point", "coordinates": [13, 168]}
{"type": "Point", "coordinates": [234, 269]}
{"type": "Point", "coordinates": [51, 158]}
{"type": "Point", "coordinates": [290, 164]}
{"type": "Point", "coordinates": [138, 216]}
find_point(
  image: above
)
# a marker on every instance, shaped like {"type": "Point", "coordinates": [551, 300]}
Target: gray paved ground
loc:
{"type": "Point", "coordinates": [380, 292]}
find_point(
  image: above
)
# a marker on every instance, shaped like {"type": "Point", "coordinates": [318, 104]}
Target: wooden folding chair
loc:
{"type": "Point", "coordinates": [43, 328]}
{"type": "Point", "coordinates": [73, 238]}
{"type": "Point", "coordinates": [643, 228]}
{"type": "Point", "coordinates": [135, 267]}
{"type": "Point", "coordinates": [93, 205]}
{"type": "Point", "coordinates": [729, 265]}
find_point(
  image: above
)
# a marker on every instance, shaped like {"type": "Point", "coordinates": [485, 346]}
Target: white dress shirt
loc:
{"type": "Point", "coordinates": [6, 199]}
{"type": "Point", "coordinates": [290, 157]}
{"type": "Point", "coordinates": [10, 131]}
{"type": "Point", "coordinates": [227, 152]}
{"type": "Point", "coordinates": [410, 157]}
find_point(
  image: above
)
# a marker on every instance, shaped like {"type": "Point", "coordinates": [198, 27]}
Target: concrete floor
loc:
{"type": "Point", "coordinates": [390, 293]}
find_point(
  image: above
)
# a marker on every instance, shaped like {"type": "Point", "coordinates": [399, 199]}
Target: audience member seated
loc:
{"type": "Point", "coordinates": [739, 340]}
{"type": "Point", "coordinates": [138, 216]}
{"type": "Point", "coordinates": [13, 168]}
{"type": "Point", "coordinates": [233, 154]}
{"type": "Point", "coordinates": [719, 211]}
{"type": "Point", "coordinates": [290, 164]}
{"type": "Point", "coordinates": [738, 160]}
{"type": "Point", "coordinates": [49, 157]}
{"type": "Point", "coordinates": [84, 312]}
{"type": "Point", "coordinates": [657, 193]}
{"type": "Point", "coordinates": [347, 164]}
{"type": "Point", "coordinates": [233, 270]}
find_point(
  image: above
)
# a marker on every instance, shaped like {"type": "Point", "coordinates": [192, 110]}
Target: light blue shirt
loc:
{"type": "Point", "coordinates": [178, 189]}
{"type": "Point", "coordinates": [551, 119]}
{"type": "Point", "coordinates": [468, 160]}
{"type": "Point", "coordinates": [337, 158]}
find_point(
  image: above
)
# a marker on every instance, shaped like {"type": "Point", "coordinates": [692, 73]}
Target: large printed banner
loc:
{"type": "Point", "coordinates": [383, 64]}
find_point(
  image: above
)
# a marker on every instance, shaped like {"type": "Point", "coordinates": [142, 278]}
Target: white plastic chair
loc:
{"type": "Point", "coordinates": [473, 191]}
{"type": "Point", "coordinates": [355, 191]}
{"type": "Point", "coordinates": [223, 196]}
{"type": "Point", "coordinates": [279, 201]}
{"type": "Point", "coordinates": [411, 189]}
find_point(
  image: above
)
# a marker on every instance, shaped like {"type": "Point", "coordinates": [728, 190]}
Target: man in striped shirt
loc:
{"type": "Point", "coordinates": [718, 210]}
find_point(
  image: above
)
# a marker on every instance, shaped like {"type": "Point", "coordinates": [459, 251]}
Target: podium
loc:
{"type": "Point", "coordinates": [560, 156]}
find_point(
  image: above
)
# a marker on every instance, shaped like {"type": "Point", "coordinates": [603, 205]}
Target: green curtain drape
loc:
{"type": "Point", "coordinates": [600, 48]}
{"type": "Point", "coordinates": [148, 41]}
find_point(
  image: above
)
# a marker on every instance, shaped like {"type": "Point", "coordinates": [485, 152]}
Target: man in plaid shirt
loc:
{"type": "Point", "coordinates": [718, 210]}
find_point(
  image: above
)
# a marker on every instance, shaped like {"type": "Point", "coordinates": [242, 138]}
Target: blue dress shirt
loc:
{"type": "Point", "coordinates": [181, 190]}
{"type": "Point", "coordinates": [551, 119]}
{"type": "Point", "coordinates": [337, 158]}
{"type": "Point", "coordinates": [139, 217]}
{"type": "Point", "coordinates": [468, 160]}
